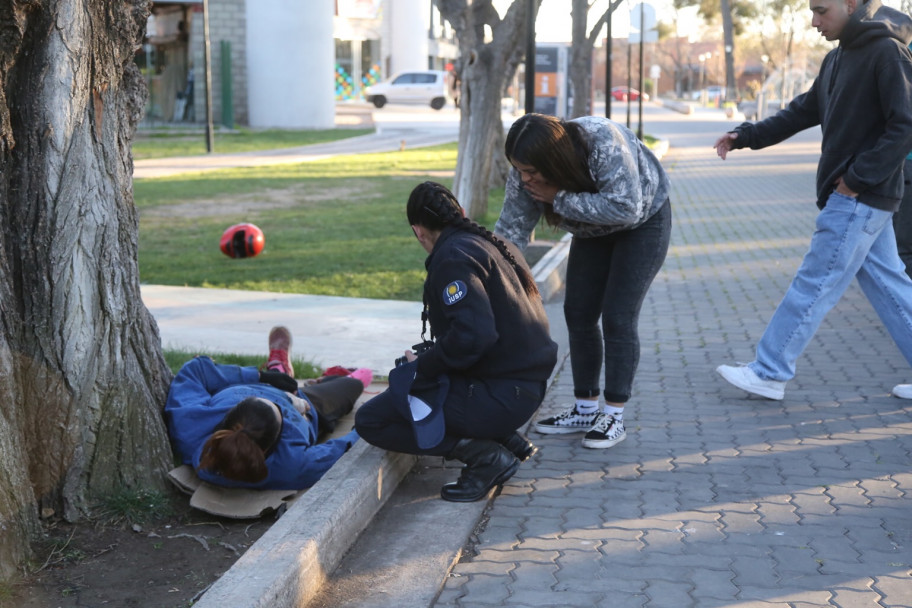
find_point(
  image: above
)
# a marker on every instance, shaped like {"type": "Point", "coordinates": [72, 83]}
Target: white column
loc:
{"type": "Point", "coordinates": [290, 59]}
{"type": "Point", "coordinates": [409, 22]}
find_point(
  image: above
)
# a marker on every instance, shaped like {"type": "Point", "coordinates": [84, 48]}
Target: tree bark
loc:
{"type": "Point", "coordinates": [82, 377]}
{"type": "Point", "coordinates": [484, 69]}
{"type": "Point", "coordinates": [581, 48]}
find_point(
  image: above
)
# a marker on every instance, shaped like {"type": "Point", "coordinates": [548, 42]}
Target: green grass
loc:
{"type": "Point", "coordinates": [134, 507]}
{"type": "Point", "coordinates": [163, 144]}
{"type": "Point", "coordinates": [176, 357]}
{"type": "Point", "coordinates": [332, 227]}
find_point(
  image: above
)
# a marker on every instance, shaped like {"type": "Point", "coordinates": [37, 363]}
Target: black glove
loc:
{"type": "Point", "coordinates": [281, 381]}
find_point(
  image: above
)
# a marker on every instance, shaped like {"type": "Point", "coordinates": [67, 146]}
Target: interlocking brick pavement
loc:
{"type": "Point", "coordinates": [717, 498]}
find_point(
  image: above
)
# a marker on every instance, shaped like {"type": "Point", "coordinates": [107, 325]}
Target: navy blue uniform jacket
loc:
{"type": "Point", "coordinates": [484, 324]}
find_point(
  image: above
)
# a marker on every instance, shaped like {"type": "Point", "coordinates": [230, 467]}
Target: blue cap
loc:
{"type": "Point", "coordinates": [426, 411]}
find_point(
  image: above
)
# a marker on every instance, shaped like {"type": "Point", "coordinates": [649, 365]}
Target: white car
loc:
{"type": "Point", "coordinates": [420, 87]}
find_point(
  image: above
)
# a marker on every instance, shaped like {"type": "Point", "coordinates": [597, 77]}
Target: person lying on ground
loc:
{"type": "Point", "coordinates": [246, 428]}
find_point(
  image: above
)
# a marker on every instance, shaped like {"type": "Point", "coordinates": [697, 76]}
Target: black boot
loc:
{"type": "Point", "coordinates": [488, 464]}
{"type": "Point", "coordinates": [521, 447]}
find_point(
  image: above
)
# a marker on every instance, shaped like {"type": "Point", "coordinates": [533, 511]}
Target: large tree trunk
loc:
{"type": "Point", "coordinates": [581, 59]}
{"type": "Point", "coordinates": [581, 54]}
{"type": "Point", "coordinates": [82, 378]}
{"type": "Point", "coordinates": [484, 68]}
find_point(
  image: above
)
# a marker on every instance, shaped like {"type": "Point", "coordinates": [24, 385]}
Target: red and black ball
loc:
{"type": "Point", "coordinates": [243, 241]}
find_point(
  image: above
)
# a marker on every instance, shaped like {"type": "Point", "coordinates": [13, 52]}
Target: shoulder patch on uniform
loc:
{"type": "Point", "coordinates": [454, 292]}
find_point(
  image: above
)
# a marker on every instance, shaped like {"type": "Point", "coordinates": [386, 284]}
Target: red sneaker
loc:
{"type": "Point", "coordinates": [280, 351]}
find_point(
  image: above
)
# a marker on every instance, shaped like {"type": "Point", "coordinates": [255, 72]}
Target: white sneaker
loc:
{"type": "Point", "coordinates": [744, 378]}
{"type": "Point", "coordinates": [607, 431]}
{"type": "Point", "coordinates": [903, 391]}
{"type": "Point", "coordinates": [568, 421]}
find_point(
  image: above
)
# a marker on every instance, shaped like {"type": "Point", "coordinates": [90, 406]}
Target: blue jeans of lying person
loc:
{"type": "Point", "coordinates": [476, 409]}
{"type": "Point", "coordinates": [851, 240]}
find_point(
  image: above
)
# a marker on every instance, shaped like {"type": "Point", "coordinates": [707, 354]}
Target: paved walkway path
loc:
{"type": "Point", "coordinates": [716, 498]}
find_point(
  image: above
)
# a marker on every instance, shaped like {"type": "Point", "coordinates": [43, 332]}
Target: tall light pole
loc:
{"type": "Point", "coordinates": [608, 60]}
{"type": "Point", "coordinates": [207, 75]}
{"type": "Point", "coordinates": [761, 103]}
{"type": "Point", "coordinates": [530, 56]}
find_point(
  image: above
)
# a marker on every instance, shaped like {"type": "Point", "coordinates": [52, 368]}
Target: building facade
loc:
{"type": "Point", "coordinates": [283, 63]}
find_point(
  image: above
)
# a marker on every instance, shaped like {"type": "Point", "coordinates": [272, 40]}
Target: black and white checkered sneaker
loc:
{"type": "Point", "coordinates": [606, 432]}
{"type": "Point", "coordinates": [568, 421]}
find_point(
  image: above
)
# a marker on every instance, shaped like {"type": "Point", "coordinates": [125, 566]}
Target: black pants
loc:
{"type": "Point", "coordinates": [902, 220]}
{"type": "Point", "coordinates": [476, 409]}
{"type": "Point", "coordinates": [607, 278]}
{"type": "Point", "coordinates": [333, 397]}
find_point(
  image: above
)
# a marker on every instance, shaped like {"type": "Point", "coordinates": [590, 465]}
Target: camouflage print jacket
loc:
{"type": "Point", "coordinates": [632, 188]}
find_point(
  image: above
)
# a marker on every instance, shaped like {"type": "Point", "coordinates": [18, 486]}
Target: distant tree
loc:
{"type": "Point", "coordinates": [786, 16]}
{"type": "Point", "coordinates": [581, 47]}
{"type": "Point", "coordinates": [82, 378]}
{"type": "Point", "coordinates": [491, 48]}
{"type": "Point", "coordinates": [735, 16]}
{"type": "Point", "coordinates": [674, 51]}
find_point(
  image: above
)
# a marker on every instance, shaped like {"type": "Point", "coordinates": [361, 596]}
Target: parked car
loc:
{"type": "Point", "coordinates": [420, 87]}
{"type": "Point", "coordinates": [624, 93]}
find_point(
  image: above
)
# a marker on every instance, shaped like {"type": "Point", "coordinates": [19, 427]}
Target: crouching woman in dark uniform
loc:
{"type": "Point", "coordinates": [484, 374]}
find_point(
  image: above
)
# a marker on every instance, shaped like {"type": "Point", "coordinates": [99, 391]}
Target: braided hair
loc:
{"type": "Point", "coordinates": [433, 206]}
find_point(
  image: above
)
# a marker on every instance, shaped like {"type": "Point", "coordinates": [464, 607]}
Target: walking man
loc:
{"type": "Point", "coordinates": [862, 99]}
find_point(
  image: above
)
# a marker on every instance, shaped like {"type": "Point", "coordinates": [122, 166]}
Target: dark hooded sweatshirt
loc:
{"type": "Point", "coordinates": [862, 99]}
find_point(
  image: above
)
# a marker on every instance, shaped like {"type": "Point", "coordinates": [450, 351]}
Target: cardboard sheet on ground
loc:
{"type": "Point", "coordinates": [239, 503]}
{"type": "Point", "coordinates": [234, 503]}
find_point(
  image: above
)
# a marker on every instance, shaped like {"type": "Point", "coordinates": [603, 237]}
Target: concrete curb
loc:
{"type": "Point", "coordinates": [289, 564]}
{"type": "Point", "coordinates": [549, 272]}
{"type": "Point", "coordinates": [677, 106]}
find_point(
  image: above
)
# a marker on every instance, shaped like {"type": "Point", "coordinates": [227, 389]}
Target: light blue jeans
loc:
{"type": "Point", "coordinates": [851, 240]}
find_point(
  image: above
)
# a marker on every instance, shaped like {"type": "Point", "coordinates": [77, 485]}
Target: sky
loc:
{"type": "Point", "coordinates": [553, 23]}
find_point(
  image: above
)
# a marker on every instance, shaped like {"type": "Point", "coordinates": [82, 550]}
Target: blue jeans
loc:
{"type": "Point", "coordinates": [851, 240]}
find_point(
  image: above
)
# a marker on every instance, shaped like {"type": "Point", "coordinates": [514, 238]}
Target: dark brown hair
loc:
{"type": "Point", "coordinates": [559, 151]}
{"type": "Point", "coordinates": [238, 448]}
{"type": "Point", "coordinates": [433, 206]}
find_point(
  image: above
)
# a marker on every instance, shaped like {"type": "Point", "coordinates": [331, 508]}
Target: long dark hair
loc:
{"type": "Point", "coordinates": [238, 448]}
{"type": "Point", "coordinates": [559, 151]}
{"type": "Point", "coordinates": [433, 206]}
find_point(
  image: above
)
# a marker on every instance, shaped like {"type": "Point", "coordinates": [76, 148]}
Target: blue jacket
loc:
{"type": "Point", "coordinates": [201, 395]}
